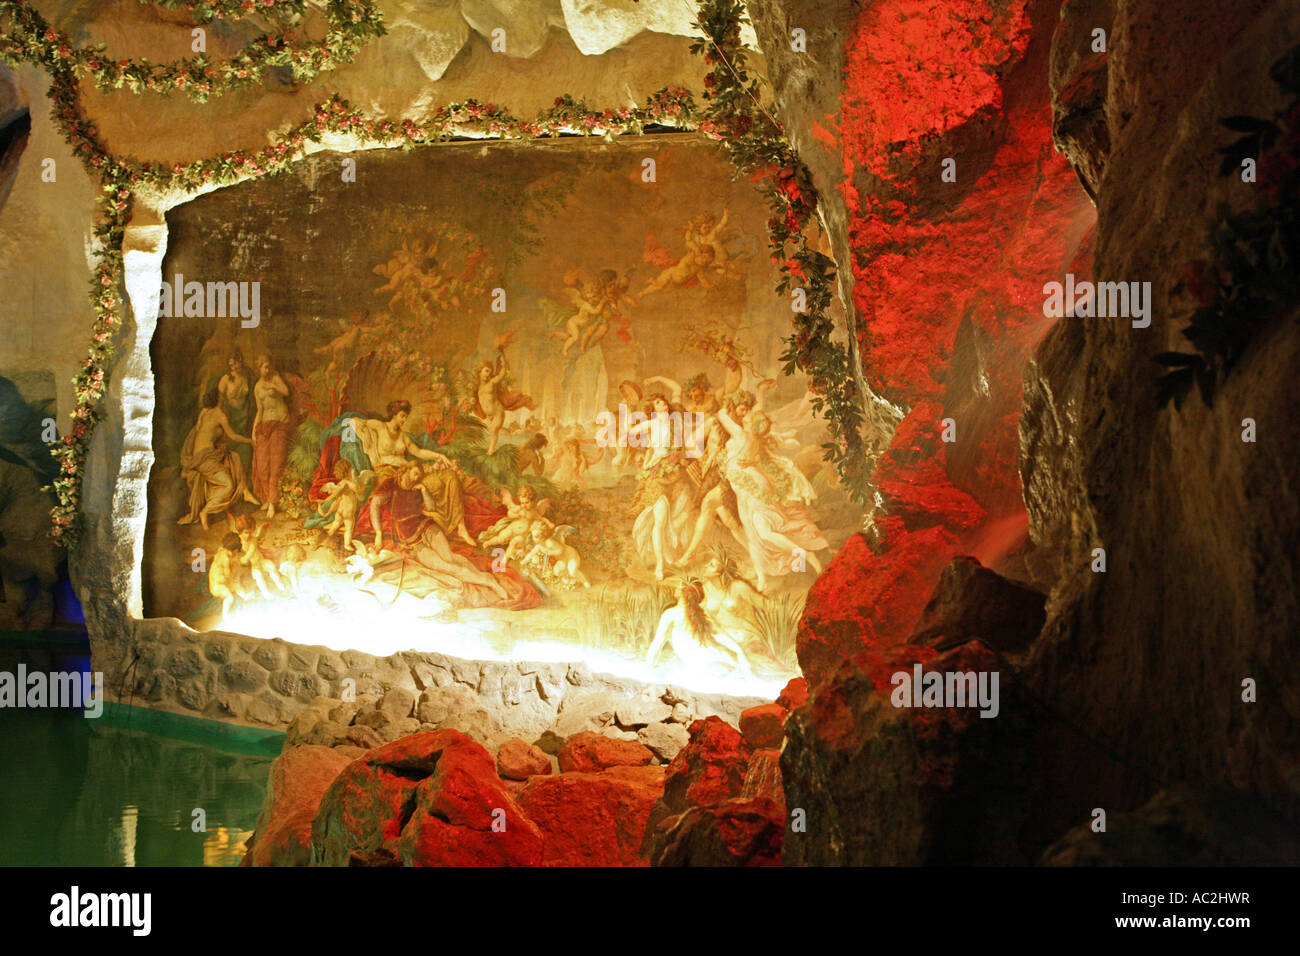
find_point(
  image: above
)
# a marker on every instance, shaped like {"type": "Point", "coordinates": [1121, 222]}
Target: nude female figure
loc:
{"type": "Point", "coordinates": [272, 432]}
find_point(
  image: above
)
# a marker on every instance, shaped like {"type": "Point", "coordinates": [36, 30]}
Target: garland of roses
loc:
{"type": "Point", "coordinates": [758, 148]}
{"type": "Point", "coordinates": [352, 23]}
{"type": "Point", "coordinates": [122, 178]}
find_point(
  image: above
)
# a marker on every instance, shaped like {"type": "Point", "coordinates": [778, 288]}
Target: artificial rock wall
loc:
{"type": "Point", "coordinates": [1132, 683]}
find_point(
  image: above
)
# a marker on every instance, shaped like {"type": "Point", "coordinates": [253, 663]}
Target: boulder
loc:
{"type": "Point", "coordinates": [737, 832]}
{"type": "Point", "coordinates": [640, 711]}
{"type": "Point", "coordinates": [299, 778]}
{"type": "Point", "coordinates": [709, 769]}
{"type": "Point", "coordinates": [325, 733]}
{"type": "Point", "coordinates": [519, 760]}
{"type": "Point", "coordinates": [590, 752]}
{"type": "Point", "coordinates": [794, 695]}
{"type": "Point", "coordinates": [746, 830]}
{"type": "Point", "coordinates": [764, 726]}
{"type": "Point", "coordinates": [367, 738]}
{"type": "Point", "coordinates": [428, 799]}
{"type": "Point", "coordinates": [593, 819]}
{"type": "Point", "coordinates": [463, 815]}
{"type": "Point", "coordinates": [973, 603]}
{"type": "Point", "coordinates": [584, 710]}
{"type": "Point", "coordinates": [664, 740]}
{"type": "Point", "coordinates": [955, 788]}
{"type": "Point", "coordinates": [398, 703]}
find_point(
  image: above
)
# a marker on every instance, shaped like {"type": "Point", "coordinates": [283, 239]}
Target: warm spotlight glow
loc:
{"type": "Point", "coordinates": [358, 621]}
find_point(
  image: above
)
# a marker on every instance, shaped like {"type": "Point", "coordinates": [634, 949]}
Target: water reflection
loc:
{"type": "Point", "coordinates": [79, 792]}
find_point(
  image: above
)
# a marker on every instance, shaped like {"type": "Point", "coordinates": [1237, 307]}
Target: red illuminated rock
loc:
{"type": "Point", "coordinates": [299, 778]}
{"type": "Point", "coordinates": [795, 694]}
{"type": "Point", "coordinates": [519, 760]}
{"type": "Point", "coordinates": [464, 817]}
{"type": "Point", "coordinates": [593, 819]}
{"type": "Point", "coordinates": [590, 752]}
{"type": "Point", "coordinates": [973, 603]}
{"type": "Point", "coordinates": [429, 799]}
{"type": "Point", "coordinates": [709, 769]}
{"type": "Point", "coordinates": [763, 726]}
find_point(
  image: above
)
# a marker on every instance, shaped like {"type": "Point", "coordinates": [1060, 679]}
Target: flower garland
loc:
{"type": "Point", "coordinates": [122, 178]}
{"type": "Point", "coordinates": [759, 149]}
{"type": "Point", "coordinates": [353, 23]}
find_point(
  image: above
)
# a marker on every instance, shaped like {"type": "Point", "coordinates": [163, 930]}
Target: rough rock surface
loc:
{"type": "Point", "coordinates": [973, 603]}
{"type": "Point", "coordinates": [590, 752]}
{"type": "Point", "coordinates": [430, 799]}
{"type": "Point", "coordinates": [882, 785]}
{"type": "Point", "coordinates": [1199, 527]}
{"type": "Point", "coordinates": [593, 819]}
{"type": "Point", "coordinates": [299, 778]}
{"type": "Point", "coordinates": [723, 803]}
{"type": "Point", "coordinates": [518, 760]}
{"type": "Point", "coordinates": [1183, 828]}
{"type": "Point", "coordinates": [275, 683]}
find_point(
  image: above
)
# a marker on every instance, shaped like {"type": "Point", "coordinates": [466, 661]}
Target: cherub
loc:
{"type": "Point", "coordinates": [612, 296]}
{"type": "Point", "coordinates": [513, 529]}
{"type": "Point", "coordinates": [705, 231]}
{"type": "Point", "coordinates": [346, 490]}
{"type": "Point", "coordinates": [705, 253]}
{"type": "Point", "coordinates": [548, 542]}
{"type": "Point", "coordinates": [351, 332]}
{"type": "Point", "coordinates": [587, 299]}
{"type": "Point", "coordinates": [694, 265]}
{"type": "Point", "coordinates": [404, 269]}
{"type": "Point", "coordinates": [261, 568]}
{"type": "Point", "coordinates": [494, 398]}
{"type": "Point", "coordinates": [223, 574]}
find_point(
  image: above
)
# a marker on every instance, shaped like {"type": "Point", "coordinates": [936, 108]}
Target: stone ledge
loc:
{"type": "Point", "coordinates": [258, 682]}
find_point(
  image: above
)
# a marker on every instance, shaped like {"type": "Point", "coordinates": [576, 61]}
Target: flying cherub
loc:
{"type": "Point", "coordinates": [595, 303]}
{"type": "Point", "coordinates": [352, 331]}
{"type": "Point", "coordinates": [706, 255]}
{"type": "Point", "coordinates": [405, 266]}
{"type": "Point", "coordinates": [549, 543]}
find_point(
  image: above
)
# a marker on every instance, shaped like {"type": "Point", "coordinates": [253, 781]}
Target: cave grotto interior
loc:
{"type": "Point", "coordinates": [804, 433]}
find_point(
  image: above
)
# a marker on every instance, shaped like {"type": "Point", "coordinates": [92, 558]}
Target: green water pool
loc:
{"type": "Point", "coordinates": [122, 790]}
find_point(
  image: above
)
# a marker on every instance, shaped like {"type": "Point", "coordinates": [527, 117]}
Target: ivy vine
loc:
{"type": "Point", "coordinates": [1256, 253]}
{"type": "Point", "coordinates": [758, 148]}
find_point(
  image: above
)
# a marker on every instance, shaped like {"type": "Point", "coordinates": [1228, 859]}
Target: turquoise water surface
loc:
{"type": "Point", "coordinates": [121, 790]}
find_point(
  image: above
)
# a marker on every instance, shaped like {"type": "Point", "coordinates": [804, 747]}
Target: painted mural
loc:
{"type": "Point", "coordinates": [482, 400]}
